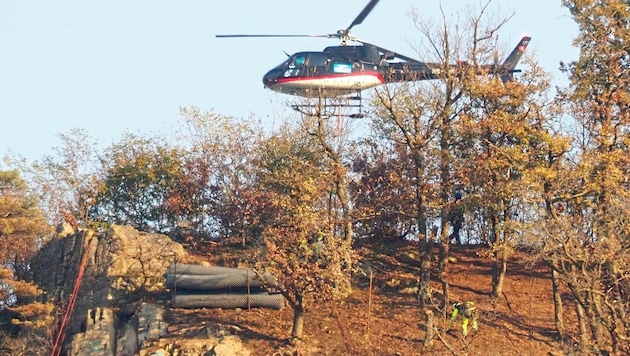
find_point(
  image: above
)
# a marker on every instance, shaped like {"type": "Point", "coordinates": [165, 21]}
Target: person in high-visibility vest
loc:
{"type": "Point", "coordinates": [468, 312]}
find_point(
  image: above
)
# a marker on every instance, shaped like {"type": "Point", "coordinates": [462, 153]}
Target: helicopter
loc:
{"type": "Point", "coordinates": [349, 69]}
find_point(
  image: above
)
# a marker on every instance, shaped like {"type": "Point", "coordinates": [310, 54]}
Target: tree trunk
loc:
{"type": "Point", "coordinates": [557, 304]}
{"type": "Point", "coordinates": [425, 245]}
{"type": "Point", "coordinates": [595, 318]}
{"type": "Point", "coordinates": [499, 268]}
{"type": "Point", "coordinates": [345, 205]}
{"type": "Point", "coordinates": [428, 336]}
{"type": "Point", "coordinates": [348, 232]}
{"type": "Point", "coordinates": [619, 312]}
{"type": "Point", "coordinates": [426, 253]}
{"type": "Point", "coordinates": [348, 224]}
{"type": "Point", "coordinates": [298, 318]}
{"type": "Point", "coordinates": [447, 206]}
{"type": "Point", "coordinates": [584, 336]}
{"type": "Point", "coordinates": [443, 264]}
{"type": "Point", "coordinates": [445, 286]}
{"type": "Point", "coordinates": [493, 242]}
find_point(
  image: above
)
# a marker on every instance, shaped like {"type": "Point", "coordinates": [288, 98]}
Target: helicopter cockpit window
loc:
{"type": "Point", "coordinates": [296, 65]}
{"type": "Point", "coordinates": [297, 61]}
{"type": "Point", "coordinates": [318, 60]}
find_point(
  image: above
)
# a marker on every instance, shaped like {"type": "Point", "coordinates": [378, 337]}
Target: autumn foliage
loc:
{"type": "Point", "coordinates": [465, 159]}
{"type": "Point", "coordinates": [23, 308]}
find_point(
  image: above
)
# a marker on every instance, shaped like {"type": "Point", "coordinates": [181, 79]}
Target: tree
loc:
{"type": "Point", "coordinates": [300, 246]}
{"type": "Point", "coordinates": [586, 235]}
{"type": "Point", "coordinates": [191, 202]}
{"type": "Point", "coordinates": [383, 205]}
{"type": "Point", "coordinates": [222, 149]}
{"type": "Point", "coordinates": [424, 117]}
{"type": "Point", "coordinates": [508, 134]}
{"type": "Point", "coordinates": [138, 176]}
{"type": "Point", "coordinates": [333, 142]}
{"type": "Point", "coordinates": [66, 182]}
{"type": "Point", "coordinates": [23, 229]}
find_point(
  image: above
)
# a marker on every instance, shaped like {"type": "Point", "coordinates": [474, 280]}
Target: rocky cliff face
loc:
{"type": "Point", "coordinates": [105, 278]}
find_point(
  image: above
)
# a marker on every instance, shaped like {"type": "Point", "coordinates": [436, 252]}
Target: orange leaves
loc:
{"type": "Point", "coordinates": [297, 223]}
{"type": "Point", "coordinates": [34, 314]}
{"type": "Point", "coordinates": [21, 297]}
{"type": "Point", "coordinates": [22, 223]}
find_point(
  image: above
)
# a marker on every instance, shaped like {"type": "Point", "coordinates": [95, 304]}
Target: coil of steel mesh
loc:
{"type": "Point", "coordinates": [212, 282]}
{"type": "Point", "coordinates": [228, 301]}
{"type": "Point", "coordinates": [183, 268]}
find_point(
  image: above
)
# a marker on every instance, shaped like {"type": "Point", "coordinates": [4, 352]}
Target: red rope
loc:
{"type": "Point", "coordinates": [56, 351]}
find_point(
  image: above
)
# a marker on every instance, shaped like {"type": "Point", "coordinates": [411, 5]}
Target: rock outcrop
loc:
{"type": "Point", "coordinates": [99, 337]}
{"type": "Point", "coordinates": [146, 334]}
{"type": "Point", "coordinates": [105, 278]}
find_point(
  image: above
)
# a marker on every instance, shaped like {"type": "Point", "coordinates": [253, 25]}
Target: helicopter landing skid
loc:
{"type": "Point", "coordinates": [332, 107]}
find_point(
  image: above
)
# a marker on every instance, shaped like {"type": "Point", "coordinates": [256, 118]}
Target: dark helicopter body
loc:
{"type": "Point", "coordinates": [336, 71]}
{"type": "Point", "coordinates": [342, 70]}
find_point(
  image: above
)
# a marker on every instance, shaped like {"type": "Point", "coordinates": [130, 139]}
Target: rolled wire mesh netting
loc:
{"type": "Point", "coordinates": [197, 286]}
{"type": "Point", "coordinates": [210, 282]}
{"type": "Point", "coordinates": [228, 301]}
{"type": "Point", "coordinates": [182, 268]}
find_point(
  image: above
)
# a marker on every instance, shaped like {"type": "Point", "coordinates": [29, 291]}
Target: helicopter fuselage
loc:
{"type": "Point", "coordinates": [336, 71]}
{"type": "Point", "coordinates": [342, 70]}
{"type": "Point", "coordinates": [326, 85]}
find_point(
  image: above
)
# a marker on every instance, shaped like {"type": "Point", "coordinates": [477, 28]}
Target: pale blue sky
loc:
{"type": "Point", "coordinates": [115, 66]}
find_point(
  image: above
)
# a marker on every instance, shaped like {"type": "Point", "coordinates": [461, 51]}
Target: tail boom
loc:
{"type": "Point", "coordinates": [508, 67]}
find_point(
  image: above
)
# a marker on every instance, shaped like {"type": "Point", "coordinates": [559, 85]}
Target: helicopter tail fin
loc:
{"type": "Point", "coordinates": [508, 67]}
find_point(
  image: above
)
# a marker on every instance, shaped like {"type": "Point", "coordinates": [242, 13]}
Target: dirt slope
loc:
{"type": "Point", "coordinates": [391, 323]}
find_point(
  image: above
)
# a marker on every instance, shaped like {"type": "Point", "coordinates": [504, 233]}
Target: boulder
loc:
{"type": "Point", "coordinates": [145, 326]}
{"type": "Point", "coordinates": [99, 337]}
{"type": "Point", "coordinates": [109, 270]}
{"type": "Point", "coordinates": [151, 324]}
{"type": "Point", "coordinates": [145, 334]}
{"type": "Point", "coordinates": [137, 260]}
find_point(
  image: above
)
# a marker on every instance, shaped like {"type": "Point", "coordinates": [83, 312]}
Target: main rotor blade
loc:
{"type": "Point", "coordinates": [363, 14]}
{"type": "Point", "coordinates": [325, 36]}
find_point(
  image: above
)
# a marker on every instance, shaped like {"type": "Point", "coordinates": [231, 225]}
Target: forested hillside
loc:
{"type": "Point", "coordinates": [515, 171]}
